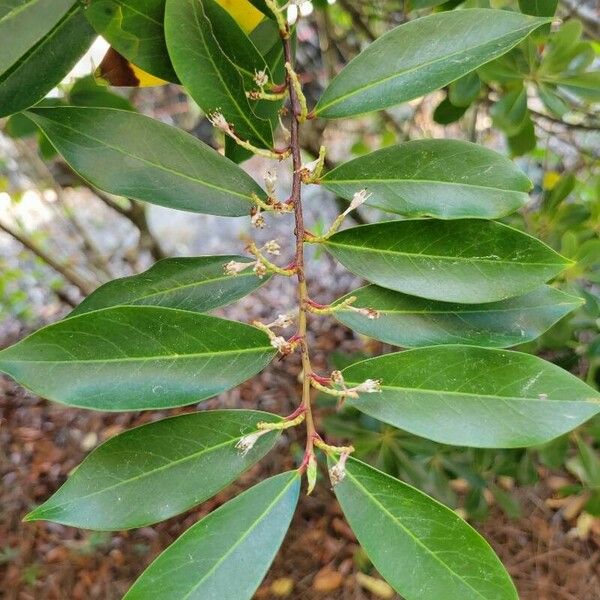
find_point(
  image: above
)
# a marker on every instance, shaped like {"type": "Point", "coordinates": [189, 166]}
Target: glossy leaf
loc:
{"type": "Point", "coordinates": [226, 554]}
{"type": "Point", "coordinates": [42, 41]}
{"type": "Point", "coordinates": [468, 261]}
{"type": "Point", "coordinates": [422, 56]}
{"type": "Point", "coordinates": [137, 358]}
{"type": "Point", "coordinates": [470, 396]}
{"type": "Point", "coordinates": [464, 91]}
{"type": "Point", "coordinates": [446, 113]}
{"type": "Point", "coordinates": [446, 179]}
{"type": "Point", "coordinates": [86, 92]}
{"type": "Point", "coordinates": [424, 550]}
{"type": "Point", "coordinates": [510, 112]}
{"type": "Point", "coordinates": [539, 8]}
{"type": "Point", "coordinates": [206, 71]}
{"type": "Point", "coordinates": [198, 284]}
{"type": "Point", "coordinates": [156, 471]}
{"type": "Point", "coordinates": [409, 321]}
{"type": "Point", "coordinates": [131, 155]}
{"type": "Point", "coordinates": [136, 31]}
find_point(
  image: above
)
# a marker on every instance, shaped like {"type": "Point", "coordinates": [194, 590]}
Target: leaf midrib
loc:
{"type": "Point", "coordinates": [484, 396]}
{"type": "Point", "coordinates": [241, 539]}
{"type": "Point", "coordinates": [144, 475]}
{"type": "Point", "coordinates": [334, 181]}
{"type": "Point", "coordinates": [467, 312]}
{"type": "Point", "coordinates": [260, 349]}
{"type": "Point", "coordinates": [446, 258]}
{"type": "Point", "coordinates": [408, 532]}
{"type": "Point", "coordinates": [147, 161]}
{"type": "Point", "coordinates": [420, 66]}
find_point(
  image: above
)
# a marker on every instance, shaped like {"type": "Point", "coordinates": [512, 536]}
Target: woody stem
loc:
{"type": "Point", "coordinates": [299, 232]}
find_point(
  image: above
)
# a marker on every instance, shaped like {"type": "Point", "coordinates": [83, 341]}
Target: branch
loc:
{"type": "Point", "coordinates": [84, 286]}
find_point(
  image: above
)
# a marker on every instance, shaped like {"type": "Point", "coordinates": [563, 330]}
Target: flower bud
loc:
{"type": "Point", "coordinates": [259, 269]}
{"type": "Point", "coordinates": [337, 473]}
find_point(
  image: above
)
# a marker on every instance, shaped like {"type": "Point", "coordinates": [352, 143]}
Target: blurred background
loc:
{"type": "Point", "coordinates": [60, 239]}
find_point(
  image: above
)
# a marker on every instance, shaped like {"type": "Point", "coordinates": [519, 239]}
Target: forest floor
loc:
{"type": "Point", "coordinates": [40, 443]}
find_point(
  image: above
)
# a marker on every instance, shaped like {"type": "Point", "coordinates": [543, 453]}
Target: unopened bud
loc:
{"type": "Point", "coordinates": [259, 269]}
{"type": "Point", "coordinates": [311, 474]}
{"type": "Point", "coordinates": [272, 247]}
{"type": "Point", "coordinates": [270, 183]}
{"type": "Point", "coordinates": [233, 267]}
{"type": "Point", "coordinates": [247, 442]}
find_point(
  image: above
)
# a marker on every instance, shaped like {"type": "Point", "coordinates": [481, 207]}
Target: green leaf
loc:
{"type": "Point", "coordinates": [468, 261]}
{"type": "Point", "coordinates": [510, 112]}
{"type": "Point", "coordinates": [211, 78]}
{"type": "Point", "coordinates": [42, 41]}
{"type": "Point", "coordinates": [464, 91]}
{"type": "Point", "coordinates": [409, 321]}
{"type": "Point", "coordinates": [552, 101]}
{"type": "Point", "coordinates": [470, 396]}
{"type": "Point", "coordinates": [156, 471]}
{"type": "Point", "coordinates": [227, 554]}
{"type": "Point", "coordinates": [137, 358]}
{"type": "Point", "coordinates": [136, 32]}
{"type": "Point", "coordinates": [585, 85]}
{"type": "Point", "coordinates": [128, 154]}
{"type": "Point", "coordinates": [446, 113]}
{"type": "Point", "coordinates": [422, 56]}
{"type": "Point", "coordinates": [446, 179]}
{"type": "Point", "coordinates": [538, 8]}
{"type": "Point", "coordinates": [424, 550]}
{"type": "Point", "coordinates": [86, 92]}
{"type": "Point", "coordinates": [523, 141]}
{"type": "Point", "coordinates": [198, 284]}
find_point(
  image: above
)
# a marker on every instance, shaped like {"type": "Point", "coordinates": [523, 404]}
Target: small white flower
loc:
{"type": "Point", "coordinates": [233, 267]}
{"type": "Point", "coordinates": [357, 200]}
{"type": "Point", "coordinates": [247, 442]}
{"type": "Point", "coordinates": [270, 183]}
{"type": "Point", "coordinates": [282, 321]}
{"type": "Point", "coordinates": [337, 473]}
{"type": "Point", "coordinates": [272, 247]}
{"type": "Point", "coordinates": [337, 377]}
{"type": "Point", "coordinates": [259, 269]}
{"type": "Point", "coordinates": [311, 166]}
{"type": "Point", "coordinates": [257, 220]}
{"type": "Point", "coordinates": [370, 313]}
{"type": "Point", "coordinates": [218, 120]}
{"type": "Point", "coordinates": [261, 78]}
{"type": "Point", "coordinates": [281, 344]}
{"type": "Point", "coordinates": [369, 386]}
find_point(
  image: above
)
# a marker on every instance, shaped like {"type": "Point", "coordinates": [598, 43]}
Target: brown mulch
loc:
{"type": "Point", "coordinates": [40, 443]}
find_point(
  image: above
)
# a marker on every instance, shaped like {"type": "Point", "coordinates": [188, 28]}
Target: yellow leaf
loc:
{"type": "Point", "coordinates": [551, 178]}
{"type": "Point", "coordinates": [116, 70]}
{"type": "Point", "coordinates": [247, 15]}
